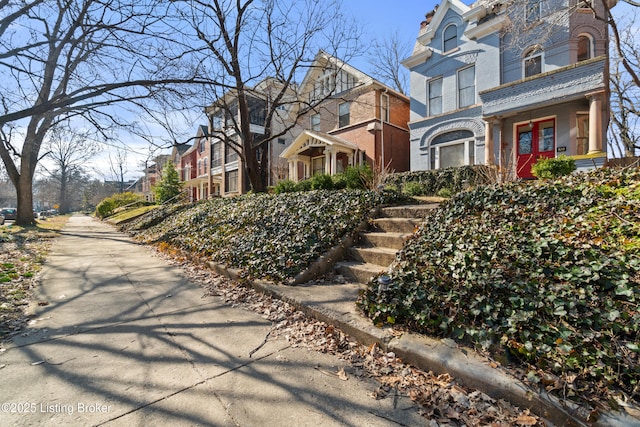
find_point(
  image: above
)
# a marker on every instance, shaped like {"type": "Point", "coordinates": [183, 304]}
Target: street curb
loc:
{"type": "Point", "coordinates": [439, 356]}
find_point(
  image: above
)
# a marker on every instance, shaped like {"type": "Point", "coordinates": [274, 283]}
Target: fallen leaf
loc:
{"type": "Point", "coordinates": [342, 374]}
{"type": "Point", "coordinates": [526, 420]}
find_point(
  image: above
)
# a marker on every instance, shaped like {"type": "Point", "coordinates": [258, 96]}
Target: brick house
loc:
{"type": "Point", "coordinates": [152, 174]}
{"type": "Point", "coordinates": [194, 170]}
{"type": "Point", "coordinates": [348, 118]}
{"type": "Point", "coordinates": [226, 165]}
{"type": "Point", "coordinates": [484, 92]}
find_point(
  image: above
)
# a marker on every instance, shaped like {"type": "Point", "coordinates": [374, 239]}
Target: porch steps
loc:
{"type": "Point", "coordinates": [377, 248]}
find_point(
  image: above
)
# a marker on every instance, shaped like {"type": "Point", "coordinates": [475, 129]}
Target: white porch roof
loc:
{"type": "Point", "coordinates": [308, 139]}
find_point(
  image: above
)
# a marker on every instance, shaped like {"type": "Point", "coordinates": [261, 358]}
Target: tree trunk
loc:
{"type": "Point", "coordinates": [24, 189]}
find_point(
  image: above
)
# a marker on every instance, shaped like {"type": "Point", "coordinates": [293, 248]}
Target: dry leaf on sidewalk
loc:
{"type": "Point", "coordinates": [342, 374]}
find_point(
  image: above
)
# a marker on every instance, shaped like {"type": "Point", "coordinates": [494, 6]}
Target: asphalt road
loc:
{"type": "Point", "coordinates": [119, 337]}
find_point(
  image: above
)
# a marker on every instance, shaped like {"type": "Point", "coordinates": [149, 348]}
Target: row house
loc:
{"type": "Point", "coordinates": [506, 85]}
{"type": "Point", "coordinates": [346, 118]}
{"type": "Point", "coordinates": [193, 167]}
{"type": "Point", "coordinates": [152, 175]}
{"type": "Point", "coordinates": [227, 168]}
{"type": "Point", "coordinates": [339, 117]}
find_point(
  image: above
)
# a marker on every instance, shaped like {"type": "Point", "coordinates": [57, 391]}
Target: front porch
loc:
{"type": "Point", "coordinates": [561, 112]}
{"type": "Point", "coordinates": [314, 153]}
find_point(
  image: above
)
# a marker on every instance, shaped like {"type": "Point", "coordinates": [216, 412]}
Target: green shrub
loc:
{"type": "Point", "coordinates": [455, 179]}
{"type": "Point", "coordinates": [550, 168]}
{"type": "Point", "coordinates": [105, 208]}
{"type": "Point", "coordinates": [321, 182]}
{"type": "Point", "coordinates": [304, 185]}
{"type": "Point", "coordinates": [108, 206]}
{"type": "Point", "coordinates": [445, 192]}
{"type": "Point", "coordinates": [357, 177]}
{"type": "Point", "coordinates": [285, 186]}
{"type": "Point", "coordinates": [412, 189]}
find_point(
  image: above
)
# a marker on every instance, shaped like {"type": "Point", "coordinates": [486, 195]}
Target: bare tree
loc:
{"type": "Point", "coordinates": [385, 57]}
{"type": "Point", "coordinates": [118, 167]}
{"type": "Point", "coordinates": [75, 59]}
{"type": "Point", "coordinates": [68, 150]}
{"type": "Point", "coordinates": [257, 51]}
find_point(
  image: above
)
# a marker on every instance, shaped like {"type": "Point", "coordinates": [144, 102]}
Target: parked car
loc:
{"type": "Point", "coordinates": [9, 213]}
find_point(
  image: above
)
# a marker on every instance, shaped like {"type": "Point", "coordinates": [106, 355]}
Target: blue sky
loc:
{"type": "Point", "coordinates": [380, 18]}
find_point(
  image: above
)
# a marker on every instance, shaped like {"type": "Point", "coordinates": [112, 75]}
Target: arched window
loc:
{"type": "Point", "coordinates": [532, 62]}
{"type": "Point", "coordinates": [585, 47]}
{"type": "Point", "coordinates": [453, 149]}
{"type": "Point", "coordinates": [450, 38]}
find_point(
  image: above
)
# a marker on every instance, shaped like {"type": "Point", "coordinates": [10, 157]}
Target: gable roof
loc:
{"type": "Point", "coordinates": [455, 5]}
{"type": "Point", "coordinates": [320, 63]}
{"type": "Point", "coordinates": [310, 138]}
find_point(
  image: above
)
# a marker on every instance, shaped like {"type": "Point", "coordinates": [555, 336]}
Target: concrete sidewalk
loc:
{"type": "Point", "coordinates": [121, 338]}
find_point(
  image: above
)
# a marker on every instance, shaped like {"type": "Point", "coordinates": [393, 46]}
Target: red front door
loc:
{"type": "Point", "coordinates": [534, 140]}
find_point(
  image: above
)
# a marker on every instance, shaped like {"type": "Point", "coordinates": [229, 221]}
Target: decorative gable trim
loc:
{"type": "Point", "coordinates": [456, 5]}
{"type": "Point", "coordinates": [487, 28]}
{"type": "Point", "coordinates": [417, 59]}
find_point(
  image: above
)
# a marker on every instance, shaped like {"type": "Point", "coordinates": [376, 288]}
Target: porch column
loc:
{"type": "Point", "coordinates": [595, 122]}
{"type": "Point", "coordinates": [489, 155]}
{"type": "Point", "coordinates": [329, 159]}
{"type": "Point", "coordinates": [293, 169]}
{"type": "Point", "coordinates": [334, 162]}
{"type": "Point", "coordinates": [307, 169]}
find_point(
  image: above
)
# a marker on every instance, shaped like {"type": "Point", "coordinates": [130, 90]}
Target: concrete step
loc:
{"type": "Point", "coordinates": [384, 240]}
{"type": "Point", "coordinates": [409, 211]}
{"type": "Point", "coordinates": [378, 256]}
{"type": "Point", "coordinates": [397, 225]}
{"type": "Point", "coordinates": [358, 271]}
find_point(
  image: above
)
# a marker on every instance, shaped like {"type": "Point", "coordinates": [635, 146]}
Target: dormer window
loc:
{"type": "Point", "coordinates": [450, 38]}
{"type": "Point", "coordinates": [532, 62]}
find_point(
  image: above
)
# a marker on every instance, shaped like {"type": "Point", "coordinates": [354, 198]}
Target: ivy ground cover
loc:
{"type": "Point", "coordinates": [271, 237]}
{"type": "Point", "coordinates": [544, 275]}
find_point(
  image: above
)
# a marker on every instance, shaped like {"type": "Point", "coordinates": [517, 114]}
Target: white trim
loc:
{"type": "Point", "coordinates": [417, 59]}
{"type": "Point", "coordinates": [531, 53]}
{"type": "Point", "coordinates": [486, 28]}
{"type": "Point", "coordinates": [475, 85]}
{"type": "Point", "coordinates": [457, 39]}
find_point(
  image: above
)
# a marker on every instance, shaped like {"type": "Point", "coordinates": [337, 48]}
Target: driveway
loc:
{"type": "Point", "coordinates": [120, 337]}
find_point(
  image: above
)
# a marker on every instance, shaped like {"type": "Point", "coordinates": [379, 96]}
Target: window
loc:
{"type": "Point", "coordinates": [202, 146]}
{"type": "Point", "coordinates": [204, 164]}
{"type": "Point", "coordinates": [435, 97]}
{"type": "Point", "coordinates": [231, 181]}
{"type": "Point", "coordinates": [450, 38]}
{"type": "Point", "coordinates": [230, 154]}
{"type": "Point", "coordinates": [533, 11]}
{"type": "Point", "coordinates": [452, 149]}
{"type": "Point", "coordinates": [315, 122]}
{"type": "Point", "coordinates": [344, 110]}
{"type": "Point", "coordinates": [216, 155]}
{"type": "Point", "coordinates": [384, 107]}
{"type": "Point", "coordinates": [584, 48]}
{"type": "Point", "coordinates": [582, 136]}
{"type": "Point", "coordinates": [282, 141]}
{"type": "Point", "coordinates": [317, 165]}
{"type": "Point", "coordinates": [532, 63]}
{"type": "Point", "coordinates": [546, 136]}
{"type": "Point", "coordinates": [466, 87]}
